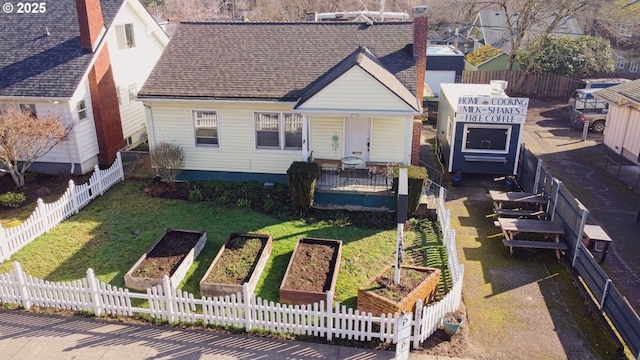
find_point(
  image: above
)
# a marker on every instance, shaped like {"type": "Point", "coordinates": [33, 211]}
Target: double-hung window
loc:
{"type": "Point", "coordinates": [281, 131]}
{"type": "Point", "coordinates": [206, 127]}
{"type": "Point", "coordinates": [81, 108]}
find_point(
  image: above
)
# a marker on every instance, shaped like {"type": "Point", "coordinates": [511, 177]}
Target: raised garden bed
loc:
{"type": "Point", "coordinates": [381, 296]}
{"type": "Point", "coordinates": [312, 271]}
{"type": "Point", "coordinates": [241, 259]}
{"type": "Point", "coordinates": [172, 255]}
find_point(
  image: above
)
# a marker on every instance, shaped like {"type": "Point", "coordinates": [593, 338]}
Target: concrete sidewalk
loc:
{"type": "Point", "coordinates": [25, 335]}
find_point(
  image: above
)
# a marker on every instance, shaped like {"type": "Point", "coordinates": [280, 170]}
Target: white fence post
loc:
{"type": "Point", "coordinates": [22, 284]}
{"type": "Point", "coordinates": [247, 297]}
{"type": "Point", "coordinates": [168, 298]}
{"type": "Point", "coordinates": [95, 292]}
{"type": "Point", "coordinates": [417, 324]}
{"type": "Point", "coordinates": [119, 165]}
{"type": "Point", "coordinates": [4, 245]}
{"type": "Point", "coordinates": [329, 322]}
{"type": "Point", "coordinates": [72, 195]}
{"type": "Point", "coordinates": [41, 210]}
{"type": "Point", "coordinates": [98, 189]}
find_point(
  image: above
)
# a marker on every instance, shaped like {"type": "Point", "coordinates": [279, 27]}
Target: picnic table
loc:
{"type": "Point", "coordinates": [596, 240]}
{"type": "Point", "coordinates": [511, 227]}
{"type": "Point", "coordinates": [520, 204]}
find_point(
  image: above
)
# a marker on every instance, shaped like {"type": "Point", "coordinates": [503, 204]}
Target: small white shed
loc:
{"type": "Point", "coordinates": [622, 133]}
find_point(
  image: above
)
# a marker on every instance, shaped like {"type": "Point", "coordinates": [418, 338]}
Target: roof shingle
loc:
{"type": "Point", "coordinates": [34, 64]}
{"type": "Point", "coordinates": [271, 61]}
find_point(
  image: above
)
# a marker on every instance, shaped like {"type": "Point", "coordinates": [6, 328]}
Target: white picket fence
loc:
{"type": "Point", "coordinates": [328, 319]}
{"type": "Point", "coordinates": [47, 216]}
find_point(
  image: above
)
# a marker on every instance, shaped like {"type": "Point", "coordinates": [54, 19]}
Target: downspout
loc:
{"type": "Point", "coordinates": [67, 110]}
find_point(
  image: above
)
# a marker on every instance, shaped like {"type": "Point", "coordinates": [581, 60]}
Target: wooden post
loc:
{"type": "Point", "coordinates": [402, 218]}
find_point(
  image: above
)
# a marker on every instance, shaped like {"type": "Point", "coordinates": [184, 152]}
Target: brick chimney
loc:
{"type": "Point", "coordinates": [420, 30]}
{"type": "Point", "coordinates": [90, 22]}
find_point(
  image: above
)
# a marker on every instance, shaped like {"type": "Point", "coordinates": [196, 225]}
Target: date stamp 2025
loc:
{"type": "Point", "coordinates": [24, 7]}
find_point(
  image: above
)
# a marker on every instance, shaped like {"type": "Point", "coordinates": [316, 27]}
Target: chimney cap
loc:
{"type": "Point", "coordinates": [420, 10]}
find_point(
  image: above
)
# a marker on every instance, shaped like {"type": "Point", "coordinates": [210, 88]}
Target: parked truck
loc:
{"type": "Point", "coordinates": [591, 110]}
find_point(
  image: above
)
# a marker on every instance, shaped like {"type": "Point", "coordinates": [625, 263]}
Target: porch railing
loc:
{"type": "Point", "coordinates": [352, 179]}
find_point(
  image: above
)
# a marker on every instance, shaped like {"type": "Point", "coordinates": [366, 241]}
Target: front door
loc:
{"type": "Point", "coordinates": [357, 132]}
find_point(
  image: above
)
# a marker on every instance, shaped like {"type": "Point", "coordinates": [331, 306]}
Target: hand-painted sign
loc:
{"type": "Point", "coordinates": [486, 109]}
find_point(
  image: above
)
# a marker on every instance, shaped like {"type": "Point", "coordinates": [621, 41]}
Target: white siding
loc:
{"type": "Point", "coordinates": [388, 140]}
{"type": "Point", "coordinates": [132, 66]}
{"type": "Point", "coordinates": [323, 130]}
{"type": "Point", "coordinates": [172, 122]}
{"type": "Point", "coordinates": [356, 91]}
{"type": "Point", "coordinates": [434, 78]}
{"type": "Point", "coordinates": [623, 131]}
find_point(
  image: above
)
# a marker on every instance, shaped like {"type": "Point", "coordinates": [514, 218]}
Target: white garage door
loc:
{"type": "Point", "coordinates": [434, 78]}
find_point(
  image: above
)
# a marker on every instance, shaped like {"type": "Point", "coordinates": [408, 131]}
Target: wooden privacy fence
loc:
{"type": "Point", "coordinates": [47, 216]}
{"type": "Point", "coordinates": [541, 85]}
{"type": "Point", "coordinates": [565, 209]}
{"type": "Point", "coordinates": [328, 319]}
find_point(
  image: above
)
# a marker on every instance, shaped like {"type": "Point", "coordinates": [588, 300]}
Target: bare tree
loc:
{"type": "Point", "coordinates": [25, 138]}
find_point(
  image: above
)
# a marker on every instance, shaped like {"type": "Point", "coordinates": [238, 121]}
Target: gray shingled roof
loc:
{"type": "Point", "coordinates": [496, 32]}
{"type": "Point", "coordinates": [33, 64]}
{"type": "Point", "coordinates": [369, 63]}
{"type": "Point", "coordinates": [623, 94]}
{"type": "Point", "coordinates": [271, 61]}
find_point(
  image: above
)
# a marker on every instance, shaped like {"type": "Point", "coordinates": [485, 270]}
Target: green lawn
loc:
{"type": "Point", "coordinates": [103, 237]}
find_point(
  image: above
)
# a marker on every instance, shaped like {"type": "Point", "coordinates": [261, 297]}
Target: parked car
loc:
{"type": "Point", "coordinates": [596, 118]}
{"type": "Point", "coordinates": [595, 84]}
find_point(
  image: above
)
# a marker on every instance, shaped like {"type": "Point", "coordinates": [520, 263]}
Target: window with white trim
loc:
{"type": "Point", "coordinates": [29, 109]}
{"type": "Point", "coordinates": [626, 30]}
{"type": "Point", "coordinates": [281, 131]}
{"type": "Point", "coordinates": [206, 127]}
{"type": "Point", "coordinates": [125, 36]}
{"type": "Point", "coordinates": [81, 108]}
{"type": "Point", "coordinates": [621, 63]}
{"type": "Point", "coordinates": [133, 92]}
{"type": "Point", "coordinates": [486, 138]}
{"type": "Point", "coordinates": [633, 67]}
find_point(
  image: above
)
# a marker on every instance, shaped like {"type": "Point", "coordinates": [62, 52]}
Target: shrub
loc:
{"type": "Point", "coordinates": [417, 180]}
{"type": "Point", "coordinates": [302, 184]}
{"type": "Point", "coordinates": [168, 159]}
{"type": "Point", "coordinates": [12, 199]}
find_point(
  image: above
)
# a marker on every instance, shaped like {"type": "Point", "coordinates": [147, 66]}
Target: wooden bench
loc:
{"type": "Point", "coordinates": [520, 213]}
{"type": "Point", "coordinates": [532, 244]}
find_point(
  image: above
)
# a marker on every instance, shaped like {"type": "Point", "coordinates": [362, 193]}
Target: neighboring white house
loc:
{"type": "Point", "coordinates": [245, 100]}
{"type": "Point", "coordinates": [83, 61]}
